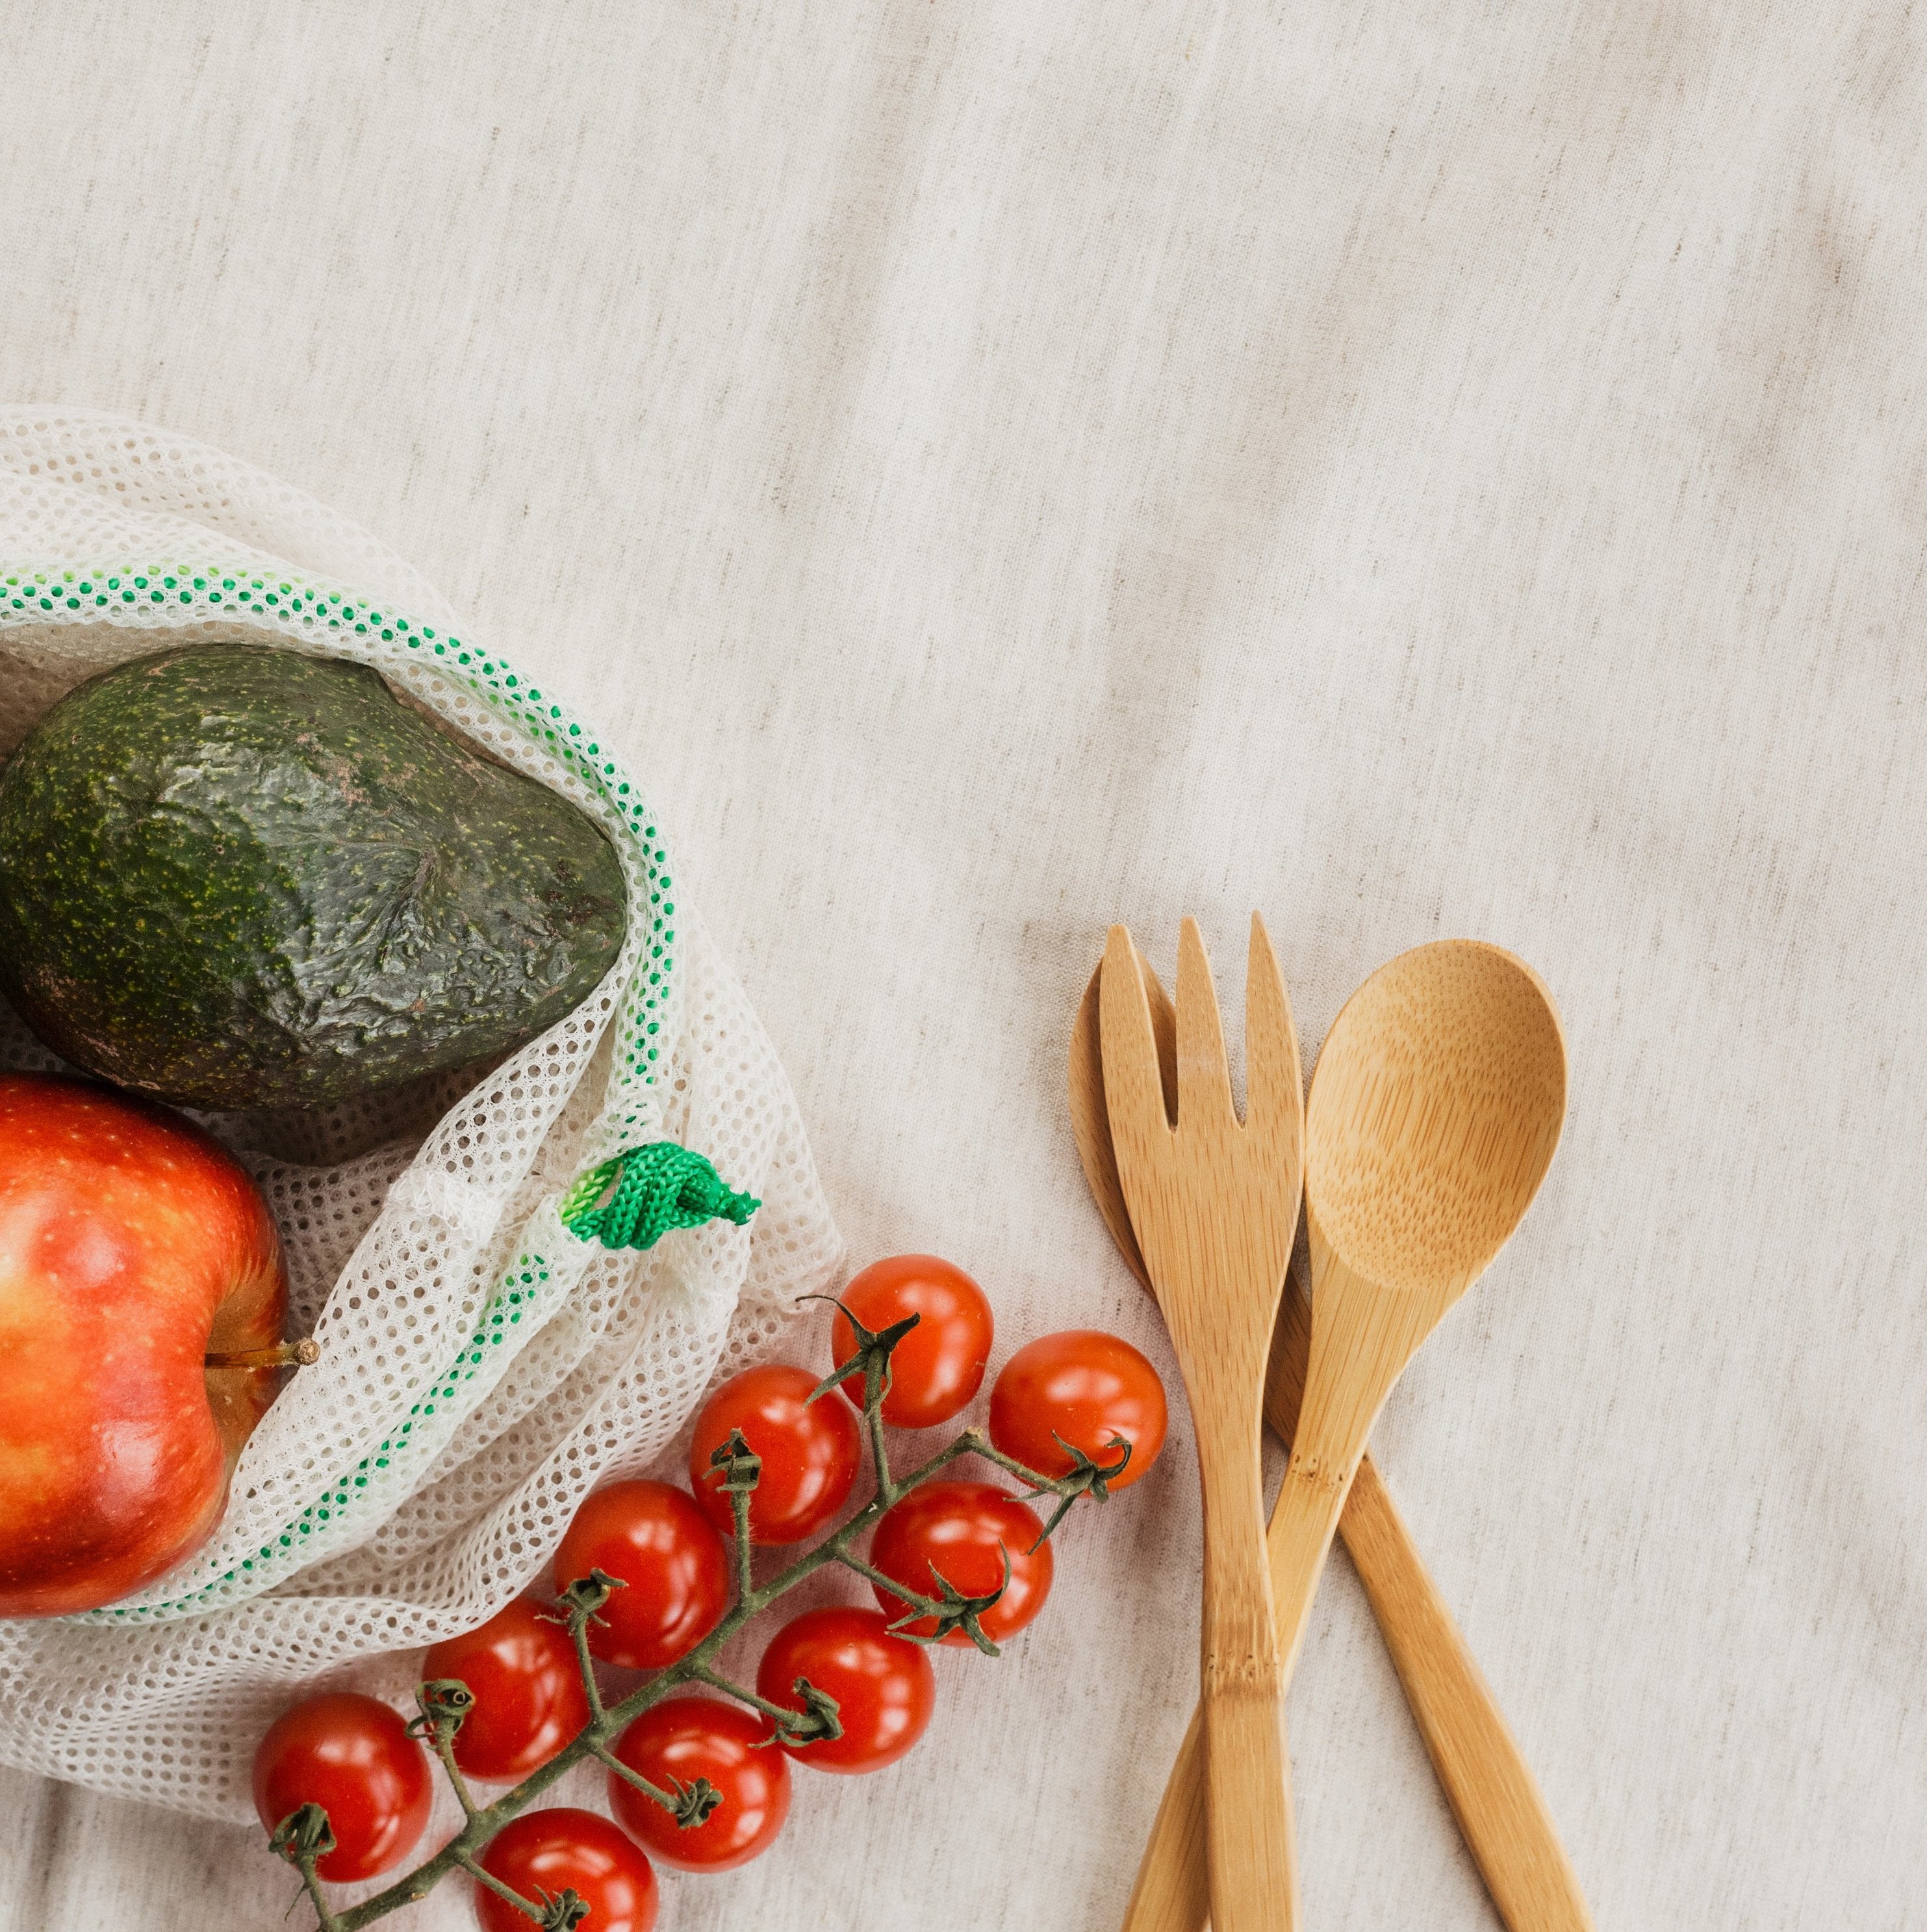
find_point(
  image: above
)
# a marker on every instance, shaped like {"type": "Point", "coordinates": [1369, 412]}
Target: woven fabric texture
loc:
{"type": "Point", "coordinates": [993, 467]}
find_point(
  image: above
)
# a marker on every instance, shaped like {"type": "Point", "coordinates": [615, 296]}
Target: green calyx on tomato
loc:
{"type": "Point", "coordinates": [880, 1686]}
{"type": "Point", "coordinates": [984, 1549]}
{"type": "Point", "coordinates": [688, 1744]}
{"type": "Point", "coordinates": [920, 1326]}
{"type": "Point", "coordinates": [808, 1454]}
{"type": "Point", "coordinates": [521, 1693]}
{"type": "Point", "coordinates": [869, 1367]}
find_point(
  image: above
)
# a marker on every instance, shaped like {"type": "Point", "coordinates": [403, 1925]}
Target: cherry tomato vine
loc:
{"type": "Point", "coordinates": [305, 1836]}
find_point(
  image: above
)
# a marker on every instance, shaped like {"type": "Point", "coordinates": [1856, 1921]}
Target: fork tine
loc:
{"type": "Point", "coordinates": [1134, 1096]}
{"type": "Point", "coordinates": [1274, 1081]}
{"type": "Point", "coordinates": [1204, 1076]}
{"type": "Point", "coordinates": [1164, 1025]}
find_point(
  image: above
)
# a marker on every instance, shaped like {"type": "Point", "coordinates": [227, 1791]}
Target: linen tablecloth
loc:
{"type": "Point", "coordinates": [1448, 468]}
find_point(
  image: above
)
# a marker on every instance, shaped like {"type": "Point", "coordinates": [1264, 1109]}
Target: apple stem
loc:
{"type": "Point", "coordinates": [282, 1355]}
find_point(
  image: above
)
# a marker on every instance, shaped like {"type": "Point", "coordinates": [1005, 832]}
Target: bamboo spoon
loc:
{"type": "Point", "coordinates": [1434, 1111]}
{"type": "Point", "coordinates": [1215, 1206]}
{"type": "Point", "coordinates": [1501, 1814]}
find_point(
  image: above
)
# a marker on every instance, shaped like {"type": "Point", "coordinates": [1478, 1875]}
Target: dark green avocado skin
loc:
{"type": "Point", "coordinates": [233, 876]}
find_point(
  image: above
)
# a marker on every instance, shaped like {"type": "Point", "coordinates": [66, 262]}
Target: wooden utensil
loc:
{"type": "Point", "coordinates": [1501, 1814]}
{"type": "Point", "coordinates": [1215, 1207]}
{"type": "Point", "coordinates": [1434, 1111]}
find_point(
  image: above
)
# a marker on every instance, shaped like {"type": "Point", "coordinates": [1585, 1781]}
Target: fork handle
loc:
{"type": "Point", "coordinates": [1244, 1785]}
{"type": "Point", "coordinates": [1222, 1837]}
{"type": "Point", "coordinates": [1252, 1863]}
{"type": "Point", "coordinates": [1170, 1894]}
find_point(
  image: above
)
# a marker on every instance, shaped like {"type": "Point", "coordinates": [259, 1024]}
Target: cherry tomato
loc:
{"type": "Point", "coordinates": [939, 1366]}
{"type": "Point", "coordinates": [1086, 1386]}
{"type": "Point", "coordinates": [884, 1686]}
{"type": "Point", "coordinates": [566, 1850]}
{"type": "Point", "coordinates": [657, 1542]}
{"type": "Point", "coordinates": [809, 1453]}
{"type": "Point", "coordinates": [520, 1667]}
{"type": "Point", "coordinates": [353, 1755]}
{"type": "Point", "coordinates": [962, 1531]}
{"type": "Point", "coordinates": [689, 1738]}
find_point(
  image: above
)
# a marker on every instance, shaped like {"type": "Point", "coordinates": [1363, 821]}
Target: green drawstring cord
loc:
{"type": "Point", "coordinates": [658, 1186]}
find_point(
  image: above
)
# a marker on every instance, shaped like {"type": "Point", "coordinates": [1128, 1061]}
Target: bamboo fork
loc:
{"type": "Point", "coordinates": [1215, 1207]}
{"type": "Point", "coordinates": [1502, 1816]}
{"type": "Point", "coordinates": [1433, 1115]}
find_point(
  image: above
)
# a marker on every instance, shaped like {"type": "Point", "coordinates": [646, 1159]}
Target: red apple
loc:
{"type": "Point", "coordinates": [130, 1247]}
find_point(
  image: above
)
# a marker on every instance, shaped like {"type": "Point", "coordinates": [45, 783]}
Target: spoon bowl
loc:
{"type": "Point", "coordinates": [1434, 1111]}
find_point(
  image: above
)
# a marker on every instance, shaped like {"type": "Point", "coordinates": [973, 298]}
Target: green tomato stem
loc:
{"type": "Point", "coordinates": [482, 1876]}
{"type": "Point", "coordinates": [927, 1607]}
{"type": "Point", "coordinates": [444, 1749]}
{"type": "Point", "coordinates": [743, 1694]}
{"type": "Point", "coordinates": [578, 1628]}
{"type": "Point", "coordinates": [739, 1509]}
{"type": "Point", "coordinates": [325, 1920]}
{"type": "Point", "coordinates": [887, 1492]}
{"type": "Point", "coordinates": [601, 1751]}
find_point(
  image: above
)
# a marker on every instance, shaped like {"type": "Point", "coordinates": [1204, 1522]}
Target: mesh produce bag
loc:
{"type": "Point", "coordinates": [481, 1366]}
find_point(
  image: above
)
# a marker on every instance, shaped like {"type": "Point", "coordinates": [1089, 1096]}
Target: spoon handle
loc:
{"type": "Point", "coordinates": [1502, 1816]}
{"type": "Point", "coordinates": [1493, 1794]}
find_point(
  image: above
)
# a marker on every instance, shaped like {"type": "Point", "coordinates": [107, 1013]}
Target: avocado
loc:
{"type": "Point", "coordinates": [236, 876]}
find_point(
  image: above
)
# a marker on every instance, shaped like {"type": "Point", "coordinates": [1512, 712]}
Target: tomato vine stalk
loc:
{"type": "Point", "coordinates": [305, 1837]}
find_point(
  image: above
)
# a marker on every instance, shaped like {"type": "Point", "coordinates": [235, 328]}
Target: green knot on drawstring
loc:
{"type": "Point", "coordinates": [658, 1187]}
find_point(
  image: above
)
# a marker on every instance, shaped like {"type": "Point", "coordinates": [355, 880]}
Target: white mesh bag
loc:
{"type": "Point", "coordinates": [481, 1366]}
